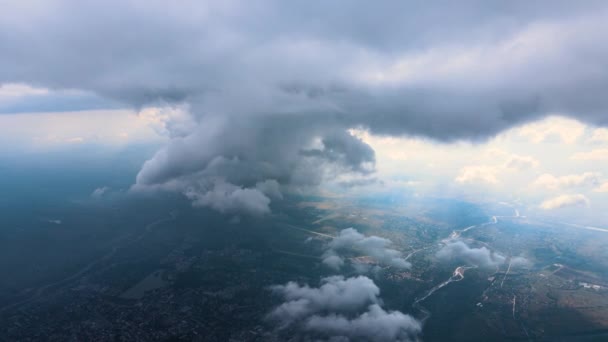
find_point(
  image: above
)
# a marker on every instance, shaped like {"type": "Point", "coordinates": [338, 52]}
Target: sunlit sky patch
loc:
{"type": "Point", "coordinates": [556, 158]}
{"type": "Point", "coordinates": [555, 166]}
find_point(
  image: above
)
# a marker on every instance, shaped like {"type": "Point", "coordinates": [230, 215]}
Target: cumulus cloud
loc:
{"type": "Point", "coordinates": [332, 260]}
{"type": "Point", "coordinates": [602, 188]}
{"type": "Point", "coordinates": [551, 182]}
{"type": "Point", "coordinates": [276, 97]}
{"type": "Point", "coordinates": [517, 162]}
{"type": "Point", "coordinates": [229, 198]}
{"type": "Point", "coordinates": [346, 308]}
{"type": "Point", "coordinates": [556, 129]}
{"type": "Point", "coordinates": [489, 174]}
{"type": "Point", "coordinates": [520, 262]}
{"type": "Point", "coordinates": [270, 188]}
{"type": "Point", "coordinates": [564, 201]}
{"type": "Point", "coordinates": [593, 155]}
{"type": "Point", "coordinates": [257, 155]}
{"type": "Point", "coordinates": [335, 294]}
{"type": "Point", "coordinates": [599, 135]}
{"type": "Point", "coordinates": [100, 192]}
{"type": "Point", "coordinates": [374, 325]}
{"type": "Point", "coordinates": [482, 257]}
{"type": "Point", "coordinates": [378, 248]}
{"type": "Point", "coordinates": [478, 174]}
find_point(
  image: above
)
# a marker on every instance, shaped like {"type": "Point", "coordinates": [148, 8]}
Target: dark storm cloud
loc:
{"type": "Point", "coordinates": [346, 149]}
{"type": "Point", "coordinates": [342, 309]}
{"type": "Point", "coordinates": [273, 86]}
{"type": "Point", "coordinates": [142, 51]}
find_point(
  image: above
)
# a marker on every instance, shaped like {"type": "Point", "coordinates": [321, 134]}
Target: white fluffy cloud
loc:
{"type": "Point", "coordinates": [482, 257]}
{"type": "Point", "coordinates": [564, 201]}
{"type": "Point", "coordinates": [343, 309]}
{"type": "Point", "coordinates": [478, 174]}
{"type": "Point", "coordinates": [374, 325]}
{"type": "Point", "coordinates": [602, 188]}
{"type": "Point", "coordinates": [593, 155]}
{"type": "Point", "coordinates": [599, 135]}
{"type": "Point", "coordinates": [336, 294]}
{"type": "Point", "coordinates": [565, 130]}
{"type": "Point", "coordinates": [490, 174]}
{"type": "Point", "coordinates": [229, 198]}
{"type": "Point", "coordinates": [520, 262]}
{"type": "Point", "coordinates": [517, 162]}
{"type": "Point", "coordinates": [100, 192]}
{"type": "Point", "coordinates": [376, 247]}
{"type": "Point", "coordinates": [551, 182]}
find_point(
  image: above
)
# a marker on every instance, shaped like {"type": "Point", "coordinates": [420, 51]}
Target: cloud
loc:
{"type": "Point", "coordinates": [277, 97]}
{"type": "Point", "coordinates": [336, 294]}
{"type": "Point", "coordinates": [252, 153]}
{"type": "Point", "coordinates": [520, 262]}
{"type": "Point", "coordinates": [561, 129]}
{"type": "Point", "coordinates": [347, 149]}
{"type": "Point", "coordinates": [100, 192]}
{"type": "Point", "coordinates": [229, 198]}
{"type": "Point", "coordinates": [348, 308]}
{"type": "Point", "coordinates": [517, 162]}
{"type": "Point", "coordinates": [551, 182]}
{"type": "Point", "coordinates": [489, 174]}
{"type": "Point", "coordinates": [600, 135]}
{"type": "Point", "coordinates": [478, 174]}
{"type": "Point", "coordinates": [360, 182]}
{"type": "Point", "coordinates": [270, 188]}
{"type": "Point", "coordinates": [374, 325]}
{"type": "Point", "coordinates": [602, 188]}
{"type": "Point", "coordinates": [333, 260]}
{"type": "Point", "coordinates": [376, 247]}
{"type": "Point", "coordinates": [593, 155]}
{"type": "Point", "coordinates": [482, 257]}
{"type": "Point", "coordinates": [12, 90]}
{"type": "Point", "coordinates": [564, 201]}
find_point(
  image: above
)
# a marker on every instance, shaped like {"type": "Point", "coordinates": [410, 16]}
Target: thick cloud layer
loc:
{"type": "Point", "coordinates": [273, 86]}
{"type": "Point", "coordinates": [342, 309]}
{"type": "Point", "coordinates": [376, 247]}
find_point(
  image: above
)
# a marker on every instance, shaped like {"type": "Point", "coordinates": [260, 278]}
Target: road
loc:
{"type": "Point", "coordinates": [458, 273]}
